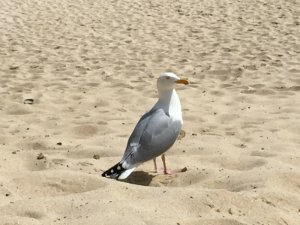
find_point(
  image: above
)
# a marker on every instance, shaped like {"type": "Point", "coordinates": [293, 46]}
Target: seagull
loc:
{"type": "Point", "coordinates": [155, 132]}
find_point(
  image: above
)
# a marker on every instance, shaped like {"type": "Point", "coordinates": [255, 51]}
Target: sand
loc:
{"type": "Point", "coordinates": [90, 69]}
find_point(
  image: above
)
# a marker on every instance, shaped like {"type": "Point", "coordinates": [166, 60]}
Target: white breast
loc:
{"type": "Point", "coordinates": [175, 107]}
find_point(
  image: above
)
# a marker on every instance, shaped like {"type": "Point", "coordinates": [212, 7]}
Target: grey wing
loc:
{"type": "Point", "coordinates": [137, 133]}
{"type": "Point", "coordinates": [155, 133]}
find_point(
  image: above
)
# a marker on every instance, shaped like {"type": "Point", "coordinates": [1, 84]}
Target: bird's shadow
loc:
{"type": "Point", "coordinates": [140, 178]}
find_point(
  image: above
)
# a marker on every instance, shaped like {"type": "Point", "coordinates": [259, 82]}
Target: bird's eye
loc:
{"type": "Point", "coordinates": [167, 78]}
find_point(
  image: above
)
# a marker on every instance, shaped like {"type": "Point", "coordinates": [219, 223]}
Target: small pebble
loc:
{"type": "Point", "coordinates": [13, 67]}
{"type": "Point", "coordinates": [96, 156]}
{"type": "Point", "coordinates": [29, 101]}
{"type": "Point", "coordinates": [184, 169]}
{"type": "Point", "coordinates": [40, 156]}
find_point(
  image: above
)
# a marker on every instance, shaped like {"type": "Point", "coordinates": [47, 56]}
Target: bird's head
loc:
{"type": "Point", "coordinates": [167, 81]}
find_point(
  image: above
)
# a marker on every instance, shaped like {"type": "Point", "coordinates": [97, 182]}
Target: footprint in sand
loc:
{"type": "Point", "coordinates": [30, 144]}
{"type": "Point", "coordinates": [29, 213]}
{"type": "Point", "coordinates": [236, 183]}
{"type": "Point", "coordinates": [18, 110]}
{"type": "Point", "coordinates": [35, 214]}
{"type": "Point", "coordinates": [262, 154]}
{"type": "Point", "coordinates": [242, 164]}
{"type": "Point", "coordinates": [84, 131]}
{"type": "Point", "coordinates": [55, 183]}
{"type": "Point", "coordinates": [228, 118]}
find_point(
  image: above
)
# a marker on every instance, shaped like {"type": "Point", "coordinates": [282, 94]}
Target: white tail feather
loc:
{"type": "Point", "coordinates": [126, 173]}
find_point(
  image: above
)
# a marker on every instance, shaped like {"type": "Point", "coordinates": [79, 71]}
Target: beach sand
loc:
{"type": "Point", "coordinates": [90, 68]}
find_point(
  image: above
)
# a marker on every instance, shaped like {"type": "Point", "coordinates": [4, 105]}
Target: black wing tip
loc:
{"type": "Point", "coordinates": [114, 172]}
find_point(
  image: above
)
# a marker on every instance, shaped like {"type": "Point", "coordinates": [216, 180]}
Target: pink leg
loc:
{"type": "Point", "coordinates": [163, 158]}
{"type": "Point", "coordinates": [155, 166]}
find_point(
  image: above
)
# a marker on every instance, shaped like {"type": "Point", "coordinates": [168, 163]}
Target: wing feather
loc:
{"type": "Point", "coordinates": [154, 134]}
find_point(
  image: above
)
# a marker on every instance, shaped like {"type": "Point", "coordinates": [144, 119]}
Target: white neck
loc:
{"type": "Point", "coordinates": [170, 103]}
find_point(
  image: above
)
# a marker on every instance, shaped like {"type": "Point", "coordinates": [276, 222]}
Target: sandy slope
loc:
{"type": "Point", "coordinates": [90, 67]}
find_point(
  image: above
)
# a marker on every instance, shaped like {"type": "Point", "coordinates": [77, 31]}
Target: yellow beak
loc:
{"type": "Point", "coordinates": [182, 81]}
